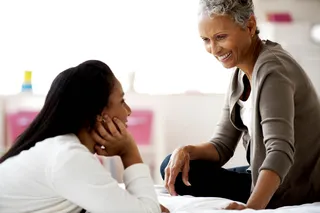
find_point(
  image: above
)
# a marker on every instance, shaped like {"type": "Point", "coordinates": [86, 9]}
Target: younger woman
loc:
{"type": "Point", "coordinates": [52, 166]}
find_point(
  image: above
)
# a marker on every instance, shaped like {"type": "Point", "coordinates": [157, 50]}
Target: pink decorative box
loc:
{"type": "Point", "coordinates": [17, 123]}
{"type": "Point", "coordinates": [279, 17]}
{"type": "Point", "coordinates": [140, 126]}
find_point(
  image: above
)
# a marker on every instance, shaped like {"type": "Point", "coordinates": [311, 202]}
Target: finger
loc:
{"type": "Point", "coordinates": [166, 177]}
{"type": "Point", "coordinates": [241, 207]}
{"type": "Point", "coordinates": [229, 206]}
{"type": "Point", "coordinates": [172, 180]}
{"type": "Point", "coordinates": [98, 138]}
{"type": "Point", "coordinates": [238, 207]}
{"type": "Point", "coordinates": [122, 128]}
{"type": "Point", "coordinates": [100, 151]}
{"type": "Point", "coordinates": [110, 125]}
{"type": "Point", "coordinates": [232, 206]}
{"type": "Point", "coordinates": [185, 173]}
{"type": "Point", "coordinates": [102, 131]}
{"type": "Point", "coordinates": [164, 209]}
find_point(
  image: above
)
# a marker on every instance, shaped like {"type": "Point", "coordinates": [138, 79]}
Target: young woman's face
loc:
{"type": "Point", "coordinates": [117, 106]}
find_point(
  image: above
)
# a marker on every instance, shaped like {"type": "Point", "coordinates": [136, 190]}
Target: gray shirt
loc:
{"type": "Point", "coordinates": [285, 126]}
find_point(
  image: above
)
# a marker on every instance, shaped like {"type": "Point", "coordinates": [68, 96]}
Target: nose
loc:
{"type": "Point", "coordinates": [128, 110]}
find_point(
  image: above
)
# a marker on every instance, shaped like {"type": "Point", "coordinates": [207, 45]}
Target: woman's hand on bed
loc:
{"type": "Point", "coordinates": [164, 209]}
{"type": "Point", "coordinates": [179, 162]}
{"type": "Point", "coordinates": [235, 206]}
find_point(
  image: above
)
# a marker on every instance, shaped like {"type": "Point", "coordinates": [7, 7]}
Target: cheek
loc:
{"type": "Point", "coordinates": [229, 44]}
{"type": "Point", "coordinates": [118, 112]}
{"type": "Point", "coordinates": [121, 112]}
{"type": "Point", "coordinates": [110, 112]}
{"type": "Point", "coordinates": [244, 43]}
{"type": "Point", "coordinates": [208, 48]}
{"type": "Point", "coordinates": [124, 111]}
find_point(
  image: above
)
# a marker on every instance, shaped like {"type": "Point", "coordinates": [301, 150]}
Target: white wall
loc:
{"type": "Point", "coordinates": [296, 39]}
{"type": "Point", "coordinates": [187, 119]}
{"type": "Point", "coordinates": [295, 36]}
{"type": "Point", "coordinates": [181, 120]}
{"type": "Point", "coordinates": [301, 10]}
{"type": "Point", "coordinates": [47, 37]}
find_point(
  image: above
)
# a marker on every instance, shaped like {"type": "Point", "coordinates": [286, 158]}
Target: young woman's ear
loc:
{"type": "Point", "coordinates": [104, 113]}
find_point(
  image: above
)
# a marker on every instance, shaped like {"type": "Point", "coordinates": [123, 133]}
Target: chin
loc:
{"type": "Point", "coordinates": [229, 65]}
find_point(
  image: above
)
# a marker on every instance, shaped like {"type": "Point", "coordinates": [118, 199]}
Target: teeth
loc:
{"type": "Point", "coordinates": [224, 56]}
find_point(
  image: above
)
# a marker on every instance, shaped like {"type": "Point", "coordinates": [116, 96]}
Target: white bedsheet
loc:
{"type": "Point", "coordinates": [189, 204]}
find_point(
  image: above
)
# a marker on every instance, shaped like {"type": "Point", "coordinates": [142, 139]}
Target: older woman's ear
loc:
{"type": "Point", "coordinates": [252, 25]}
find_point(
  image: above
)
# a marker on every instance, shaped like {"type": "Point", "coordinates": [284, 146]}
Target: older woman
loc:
{"type": "Point", "coordinates": [271, 106]}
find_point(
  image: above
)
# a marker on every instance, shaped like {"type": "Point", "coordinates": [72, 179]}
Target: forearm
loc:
{"type": "Point", "coordinates": [203, 151]}
{"type": "Point", "coordinates": [267, 184]}
{"type": "Point", "coordinates": [130, 158]}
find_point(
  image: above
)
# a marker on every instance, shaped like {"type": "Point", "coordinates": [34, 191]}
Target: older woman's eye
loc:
{"type": "Point", "coordinates": [205, 39]}
{"type": "Point", "coordinates": [221, 37]}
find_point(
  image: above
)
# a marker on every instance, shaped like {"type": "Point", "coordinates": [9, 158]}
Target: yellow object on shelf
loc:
{"type": "Point", "coordinates": [27, 76]}
{"type": "Point", "coordinates": [27, 82]}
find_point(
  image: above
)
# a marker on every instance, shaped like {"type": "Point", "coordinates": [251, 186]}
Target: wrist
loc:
{"type": "Point", "coordinates": [267, 184]}
{"type": "Point", "coordinates": [203, 151]}
{"type": "Point", "coordinates": [131, 157]}
{"type": "Point", "coordinates": [129, 148]}
{"type": "Point", "coordinates": [255, 206]}
{"type": "Point", "coordinates": [190, 150]}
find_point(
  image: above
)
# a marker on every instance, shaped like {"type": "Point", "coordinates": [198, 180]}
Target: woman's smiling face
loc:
{"type": "Point", "coordinates": [225, 39]}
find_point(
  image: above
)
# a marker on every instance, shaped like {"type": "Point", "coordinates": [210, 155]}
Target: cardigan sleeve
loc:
{"type": "Point", "coordinates": [225, 137]}
{"type": "Point", "coordinates": [276, 107]}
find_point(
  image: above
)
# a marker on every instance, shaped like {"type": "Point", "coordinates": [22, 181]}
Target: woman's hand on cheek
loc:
{"type": "Point", "coordinates": [112, 137]}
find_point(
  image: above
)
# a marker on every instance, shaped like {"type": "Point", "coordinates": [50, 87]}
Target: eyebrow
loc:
{"type": "Point", "coordinates": [215, 34]}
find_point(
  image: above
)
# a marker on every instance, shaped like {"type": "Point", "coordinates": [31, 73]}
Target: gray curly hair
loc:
{"type": "Point", "coordinates": [239, 10]}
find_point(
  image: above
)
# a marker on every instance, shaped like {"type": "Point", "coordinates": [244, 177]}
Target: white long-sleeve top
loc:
{"type": "Point", "coordinates": [61, 175]}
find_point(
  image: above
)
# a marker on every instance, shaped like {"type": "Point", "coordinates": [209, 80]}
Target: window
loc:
{"type": "Point", "coordinates": [315, 33]}
{"type": "Point", "coordinates": [156, 39]}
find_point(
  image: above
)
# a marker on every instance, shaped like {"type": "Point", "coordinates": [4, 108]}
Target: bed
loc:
{"type": "Point", "coordinates": [189, 204]}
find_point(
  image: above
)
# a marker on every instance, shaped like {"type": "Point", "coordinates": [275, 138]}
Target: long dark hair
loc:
{"type": "Point", "coordinates": [76, 96]}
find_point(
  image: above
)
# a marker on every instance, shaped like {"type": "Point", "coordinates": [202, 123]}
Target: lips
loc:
{"type": "Point", "coordinates": [224, 57]}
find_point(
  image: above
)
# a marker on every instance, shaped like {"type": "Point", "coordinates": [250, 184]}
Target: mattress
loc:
{"type": "Point", "coordinates": [189, 204]}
